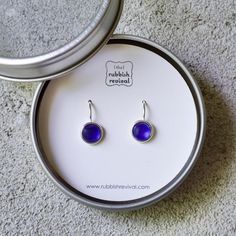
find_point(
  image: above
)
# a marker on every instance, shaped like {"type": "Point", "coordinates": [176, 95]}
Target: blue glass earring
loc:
{"type": "Point", "coordinates": [142, 130]}
{"type": "Point", "coordinates": [92, 133]}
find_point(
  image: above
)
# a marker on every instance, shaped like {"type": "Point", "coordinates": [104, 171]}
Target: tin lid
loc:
{"type": "Point", "coordinates": [56, 63]}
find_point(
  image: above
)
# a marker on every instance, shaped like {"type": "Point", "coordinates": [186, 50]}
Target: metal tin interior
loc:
{"type": "Point", "coordinates": [157, 196]}
{"type": "Point", "coordinates": [56, 63]}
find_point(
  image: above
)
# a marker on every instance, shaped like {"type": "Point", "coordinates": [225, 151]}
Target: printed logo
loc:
{"type": "Point", "coordinates": [119, 73]}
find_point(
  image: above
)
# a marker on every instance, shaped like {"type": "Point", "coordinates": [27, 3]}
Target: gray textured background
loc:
{"type": "Point", "coordinates": [202, 33]}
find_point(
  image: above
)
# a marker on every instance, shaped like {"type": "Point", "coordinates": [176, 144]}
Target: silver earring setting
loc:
{"type": "Point", "coordinates": [143, 130]}
{"type": "Point", "coordinates": [92, 132]}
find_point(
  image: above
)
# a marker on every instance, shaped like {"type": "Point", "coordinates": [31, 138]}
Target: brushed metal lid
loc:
{"type": "Point", "coordinates": [56, 63]}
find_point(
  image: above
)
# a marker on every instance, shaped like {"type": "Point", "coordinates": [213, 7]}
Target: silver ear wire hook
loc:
{"type": "Point", "coordinates": [144, 109]}
{"type": "Point", "coordinates": [143, 130]}
{"type": "Point", "coordinates": [90, 110]}
{"type": "Point", "coordinates": [92, 133]}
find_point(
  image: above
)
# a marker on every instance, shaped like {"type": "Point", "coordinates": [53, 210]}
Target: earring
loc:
{"type": "Point", "coordinates": [142, 130]}
{"type": "Point", "coordinates": [92, 133]}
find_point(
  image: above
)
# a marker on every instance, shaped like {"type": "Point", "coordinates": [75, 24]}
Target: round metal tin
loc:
{"type": "Point", "coordinates": [56, 63]}
{"type": "Point", "coordinates": [160, 194]}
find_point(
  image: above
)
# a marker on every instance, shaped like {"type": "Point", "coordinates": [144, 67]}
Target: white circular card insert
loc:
{"type": "Point", "coordinates": [119, 168]}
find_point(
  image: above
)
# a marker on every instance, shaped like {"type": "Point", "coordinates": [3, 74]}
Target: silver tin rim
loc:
{"type": "Point", "coordinates": [61, 61]}
{"type": "Point", "coordinates": [162, 193]}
